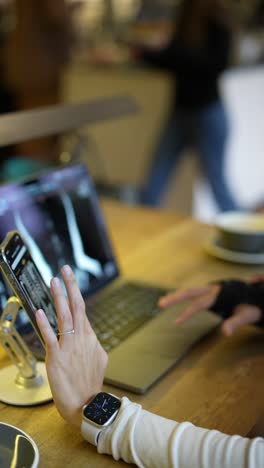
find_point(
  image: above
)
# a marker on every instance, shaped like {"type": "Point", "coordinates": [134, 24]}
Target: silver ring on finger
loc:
{"type": "Point", "coordinates": [69, 332]}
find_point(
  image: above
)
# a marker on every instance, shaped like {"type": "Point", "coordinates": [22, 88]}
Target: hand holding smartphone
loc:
{"type": "Point", "coordinates": [25, 280]}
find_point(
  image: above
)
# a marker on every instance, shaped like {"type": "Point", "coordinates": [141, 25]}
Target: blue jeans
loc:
{"type": "Point", "coordinates": [206, 129]}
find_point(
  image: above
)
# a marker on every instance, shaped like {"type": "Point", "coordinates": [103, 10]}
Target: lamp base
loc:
{"type": "Point", "coordinates": [17, 395]}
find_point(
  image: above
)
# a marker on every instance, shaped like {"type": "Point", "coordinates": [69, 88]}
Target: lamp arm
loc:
{"type": "Point", "coordinates": [14, 345]}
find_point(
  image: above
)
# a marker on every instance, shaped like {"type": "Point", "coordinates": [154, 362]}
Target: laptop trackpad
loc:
{"type": "Point", "coordinates": [152, 350]}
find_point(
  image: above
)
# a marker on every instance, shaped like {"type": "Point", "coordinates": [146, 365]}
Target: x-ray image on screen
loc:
{"type": "Point", "coordinates": [59, 218]}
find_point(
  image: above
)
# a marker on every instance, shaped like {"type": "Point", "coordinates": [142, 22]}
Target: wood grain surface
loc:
{"type": "Point", "coordinates": [219, 384]}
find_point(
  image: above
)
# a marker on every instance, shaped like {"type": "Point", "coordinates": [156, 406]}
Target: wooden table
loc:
{"type": "Point", "coordinates": [219, 385]}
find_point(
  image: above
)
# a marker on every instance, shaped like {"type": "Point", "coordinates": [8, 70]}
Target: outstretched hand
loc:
{"type": "Point", "coordinates": [203, 298]}
{"type": "Point", "coordinates": [76, 362]}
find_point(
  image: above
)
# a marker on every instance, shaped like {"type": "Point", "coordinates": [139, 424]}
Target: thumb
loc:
{"type": "Point", "coordinates": [244, 314]}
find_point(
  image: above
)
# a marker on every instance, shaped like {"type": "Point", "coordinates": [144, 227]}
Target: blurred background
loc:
{"type": "Point", "coordinates": [62, 51]}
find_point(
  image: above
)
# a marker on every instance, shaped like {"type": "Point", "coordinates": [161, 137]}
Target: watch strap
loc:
{"type": "Point", "coordinates": [90, 432]}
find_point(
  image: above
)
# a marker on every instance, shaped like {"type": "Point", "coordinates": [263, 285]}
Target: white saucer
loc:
{"type": "Point", "coordinates": [213, 248]}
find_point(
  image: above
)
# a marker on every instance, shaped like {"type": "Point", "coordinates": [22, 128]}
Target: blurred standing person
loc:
{"type": "Point", "coordinates": [196, 55]}
{"type": "Point", "coordinates": [37, 51]}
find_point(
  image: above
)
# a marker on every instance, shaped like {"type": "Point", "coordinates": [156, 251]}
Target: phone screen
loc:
{"type": "Point", "coordinates": [29, 279]}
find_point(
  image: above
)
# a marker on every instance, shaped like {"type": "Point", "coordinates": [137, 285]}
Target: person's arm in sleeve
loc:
{"type": "Point", "coordinates": [148, 440]}
{"type": "Point", "coordinates": [76, 366]}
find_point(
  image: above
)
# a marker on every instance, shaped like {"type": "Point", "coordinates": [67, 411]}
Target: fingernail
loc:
{"type": "Point", "coordinates": [40, 313]}
{"type": "Point", "coordinates": [55, 282]}
{"type": "Point", "coordinates": [66, 269]}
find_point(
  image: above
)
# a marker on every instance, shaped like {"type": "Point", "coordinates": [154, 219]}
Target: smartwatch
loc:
{"type": "Point", "coordinates": [98, 415]}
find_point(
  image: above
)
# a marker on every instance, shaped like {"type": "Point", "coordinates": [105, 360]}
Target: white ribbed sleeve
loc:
{"type": "Point", "coordinates": [148, 440]}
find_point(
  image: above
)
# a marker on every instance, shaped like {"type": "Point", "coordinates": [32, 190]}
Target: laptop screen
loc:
{"type": "Point", "coordinates": [58, 215]}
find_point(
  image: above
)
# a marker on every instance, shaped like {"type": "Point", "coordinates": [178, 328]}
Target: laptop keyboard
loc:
{"type": "Point", "coordinates": [120, 312]}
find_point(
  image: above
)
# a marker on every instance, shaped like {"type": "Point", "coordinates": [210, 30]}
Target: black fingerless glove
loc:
{"type": "Point", "coordinates": [235, 292]}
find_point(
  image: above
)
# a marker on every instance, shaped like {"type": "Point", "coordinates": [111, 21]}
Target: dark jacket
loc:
{"type": "Point", "coordinates": [195, 70]}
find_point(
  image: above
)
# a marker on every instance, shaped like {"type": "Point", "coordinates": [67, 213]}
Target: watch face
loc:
{"type": "Point", "coordinates": [102, 408]}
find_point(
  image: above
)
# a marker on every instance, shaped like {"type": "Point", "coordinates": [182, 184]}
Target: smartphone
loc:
{"type": "Point", "coordinates": [25, 280]}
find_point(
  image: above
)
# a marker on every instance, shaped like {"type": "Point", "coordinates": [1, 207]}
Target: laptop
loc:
{"type": "Point", "coordinates": [58, 214]}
